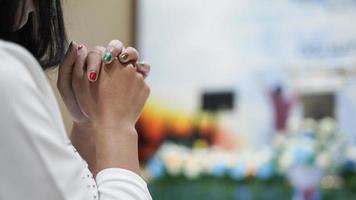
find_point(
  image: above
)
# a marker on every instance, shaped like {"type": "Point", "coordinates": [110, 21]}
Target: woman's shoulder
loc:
{"type": "Point", "coordinates": [16, 55]}
{"type": "Point", "coordinates": [18, 67]}
{"type": "Point", "coordinates": [23, 83]}
{"type": "Point", "coordinates": [6, 45]}
{"type": "Point", "coordinates": [24, 88]}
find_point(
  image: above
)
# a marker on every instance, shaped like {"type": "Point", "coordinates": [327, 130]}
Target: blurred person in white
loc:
{"type": "Point", "coordinates": [105, 91]}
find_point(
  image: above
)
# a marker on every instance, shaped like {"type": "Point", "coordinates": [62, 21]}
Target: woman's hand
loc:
{"type": "Point", "coordinates": [84, 93]}
{"type": "Point", "coordinates": [64, 83]}
{"type": "Point", "coordinates": [75, 56]}
{"type": "Point", "coordinates": [113, 103]}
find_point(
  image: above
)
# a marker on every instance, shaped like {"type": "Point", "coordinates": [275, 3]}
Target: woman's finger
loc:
{"type": "Point", "coordinates": [66, 67]}
{"type": "Point", "coordinates": [129, 55]}
{"type": "Point", "coordinates": [79, 74]}
{"type": "Point", "coordinates": [64, 82]}
{"type": "Point", "coordinates": [143, 68]}
{"type": "Point", "coordinates": [112, 51]}
{"type": "Point", "coordinates": [78, 71]}
{"type": "Point", "coordinates": [94, 61]}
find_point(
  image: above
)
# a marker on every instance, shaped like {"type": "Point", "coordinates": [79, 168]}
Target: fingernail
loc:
{"type": "Point", "coordinates": [92, 76]}
{"type": "Point", "coordinates": [107, 57]}
{"type": "Point", "coordinates": [124, 58]}
{"type": "Point", "coordinates": [80, 46]}
{"type": "Point", "coordinates": [141, 63]}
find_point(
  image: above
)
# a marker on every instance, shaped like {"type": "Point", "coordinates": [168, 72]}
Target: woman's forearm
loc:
{"type": "Point", "coordinates": [83, 140]}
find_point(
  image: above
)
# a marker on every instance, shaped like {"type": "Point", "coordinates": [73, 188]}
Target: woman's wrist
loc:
{"type": "Point", "coordinates": [117, 147]}
{"type": "Point", "coordinates": [106, 145]}
{"type": "Point", "coordinates": [83, 127]}
{"type": "Point", "coordinates": [116, 128]}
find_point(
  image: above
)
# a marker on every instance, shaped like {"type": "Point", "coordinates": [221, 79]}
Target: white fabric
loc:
{"type": "Point", "coordinates": [37, 159]}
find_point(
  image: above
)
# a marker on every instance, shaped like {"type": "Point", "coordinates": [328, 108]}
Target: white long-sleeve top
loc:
{"type": "Point", "coordinates": [37, 160]}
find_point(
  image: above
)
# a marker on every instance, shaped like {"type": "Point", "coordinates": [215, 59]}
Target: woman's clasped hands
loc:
{"type": "Point", "coordinates": [105, 91]}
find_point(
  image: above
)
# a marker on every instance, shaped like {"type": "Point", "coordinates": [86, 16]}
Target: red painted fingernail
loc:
{"type": "Point", "coordinates": [92, 76]}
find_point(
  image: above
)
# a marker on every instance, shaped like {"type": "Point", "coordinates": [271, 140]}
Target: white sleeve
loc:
{"type": "Point", "coordinates": [33, 154]}
{"type": "Point", "coordinates": [121, 184]}
{"type": "Point", "coordinates": [37, 162]}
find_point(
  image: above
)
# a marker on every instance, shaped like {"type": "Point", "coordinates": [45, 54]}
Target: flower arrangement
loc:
{"type": "Point", "coordinates": [177, 160]}
{"type": "Point", "coordinates": [311, 144]}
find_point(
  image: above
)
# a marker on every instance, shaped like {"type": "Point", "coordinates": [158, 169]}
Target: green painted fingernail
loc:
{"type": "Point", "coordinates": [107, 57]}
{"type": "Point", "coordinates": [124, 57]}
{"type": "Point", "coordinates": [141, 63]}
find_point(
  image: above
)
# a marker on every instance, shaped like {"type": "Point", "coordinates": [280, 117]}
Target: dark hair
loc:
{"type": "Point", "coordinates": [44, 33]}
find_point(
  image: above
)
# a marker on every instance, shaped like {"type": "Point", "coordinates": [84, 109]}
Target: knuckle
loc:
{"type": "Point", "coordinates": [146, 70]}
{"type": "Point", "coordinates": [132, 51]}
{"type": "Point", "coordinates": [117, 48]}
{"type": "Point", "coordinates": [144, 66]}
{"type": "Point", "coordinates": [116, 43]}
{"type": "Point", "coordinates": [148, 67]}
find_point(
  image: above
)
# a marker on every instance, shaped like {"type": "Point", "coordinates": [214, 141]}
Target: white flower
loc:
{"type": "Point", "coordinates": [309, 124]}
{"type": "Point", "coordinates": [294, 125]}
{"type": "Point", "coordinates": [324, 160]}
{"type": "Point", "coordinates": [215, 157]}
{"type": "Point", "coordinates": [286, 160]}
{"type": "Point", "coordinates": [192, 168]}
{"type": "Point", "coordinates": [173, 157]}
{"type": "Point", "coordinates": [327, 127]}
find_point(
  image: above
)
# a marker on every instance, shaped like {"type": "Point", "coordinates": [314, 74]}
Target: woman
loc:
{"type": "Point", "coordinates": [104, 98]}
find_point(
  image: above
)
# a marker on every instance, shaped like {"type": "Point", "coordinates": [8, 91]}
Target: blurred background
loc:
{"type": "Point", "coordinates": [251, 99]}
